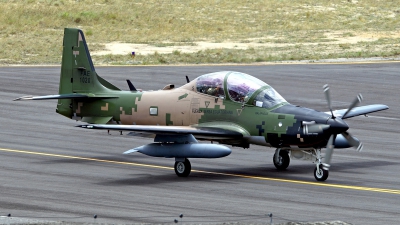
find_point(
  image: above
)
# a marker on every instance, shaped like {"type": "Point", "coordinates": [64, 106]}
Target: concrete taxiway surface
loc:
{"type": "Point", "coordinates": [52, 170]}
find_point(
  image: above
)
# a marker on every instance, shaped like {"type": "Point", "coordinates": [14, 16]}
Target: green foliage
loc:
{"type": "Point", "coordinates": [344, 46]}
{"type": "Point", "coordinates": [37, 26]}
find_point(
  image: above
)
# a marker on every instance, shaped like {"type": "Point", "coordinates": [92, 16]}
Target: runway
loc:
{"type": "Point", "coordinates": [52, 170]}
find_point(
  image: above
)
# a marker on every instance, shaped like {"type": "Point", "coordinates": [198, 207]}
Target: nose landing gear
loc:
{"type": "Point", "coordinates": [281, 160]}
{"type": "Point", "coordinates": [321, 171]}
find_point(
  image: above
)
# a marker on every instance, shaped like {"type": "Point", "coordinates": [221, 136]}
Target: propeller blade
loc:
{"type": "Point", "coordinates": [329, 152]}
{"type": "Point", "coordinates": [356, 101]}
{"type": "Point", "coordinates": [328, 98]}
{"type": "Point", "coordinates": [353, 142]}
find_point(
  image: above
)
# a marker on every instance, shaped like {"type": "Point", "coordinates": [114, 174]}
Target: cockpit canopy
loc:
{"type": "Point", "coordinates": [239, 87]}
{"type": "Point", "coordinates": [211, 84]}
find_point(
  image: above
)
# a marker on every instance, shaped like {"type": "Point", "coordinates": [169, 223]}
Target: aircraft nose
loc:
{"type": "Point", "coordinates": [337, 125]}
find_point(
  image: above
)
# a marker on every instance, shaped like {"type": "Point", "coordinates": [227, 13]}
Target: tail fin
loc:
{"type": "Point", "coordinates": [78, 79]}
{"type": "Point", "coordinates": [78, 74]}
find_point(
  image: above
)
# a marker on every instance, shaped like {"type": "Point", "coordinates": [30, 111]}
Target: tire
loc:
{"type": "Point", "coordinates": [284, 160]}
{"type": "Point", "coordinates": [322, 175]}
{"type": "Point", "coordinates": [182, 169]}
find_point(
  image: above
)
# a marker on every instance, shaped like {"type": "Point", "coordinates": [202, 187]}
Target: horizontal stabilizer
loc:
{"type": "Point", "coordinates": [64, 96]}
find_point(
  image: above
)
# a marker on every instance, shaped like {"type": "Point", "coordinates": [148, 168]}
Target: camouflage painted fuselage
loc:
{"type": "Point", "coordinates": [226, 106]}
{"type": "Point", "coordinates": [280, 126]}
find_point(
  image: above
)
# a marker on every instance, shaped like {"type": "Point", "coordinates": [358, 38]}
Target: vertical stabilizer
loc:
{"type": "Point", "coordinates": [78, 74]}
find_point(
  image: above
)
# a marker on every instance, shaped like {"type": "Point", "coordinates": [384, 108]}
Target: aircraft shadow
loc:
{"type": "Point", "coordinates": [302, 172]}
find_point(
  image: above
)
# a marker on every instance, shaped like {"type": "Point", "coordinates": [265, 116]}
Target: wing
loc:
{"type": "Point", "coordinates": [65, 96]}
{"type": "Point", "coordinates": [362, 110]}
{"type": "Point", "coordinates": [198, 132]}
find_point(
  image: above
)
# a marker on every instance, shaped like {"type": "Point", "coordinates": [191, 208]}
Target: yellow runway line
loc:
{"type": "Point", "coordinates": [321, 184]}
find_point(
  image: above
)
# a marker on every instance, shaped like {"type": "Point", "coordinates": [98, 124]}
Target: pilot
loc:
{"type": "Point", "coordinates": [203, 88]}
{"type": "Point", "coordinates": [240, 97]}
{"type": "Point", "coordinates": [214, 91]}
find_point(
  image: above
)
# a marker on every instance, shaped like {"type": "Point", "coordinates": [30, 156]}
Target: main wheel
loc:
{"type": "Point", "coordinates": [283, 160]}
{"type": "Point", "coordinates": [182, 169]}
{"type": "Point", "coordinates": [321, 174]}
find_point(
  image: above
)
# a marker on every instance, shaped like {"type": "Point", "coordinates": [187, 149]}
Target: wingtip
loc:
{"type": "Point", "coordinates": [131, 151]}
{"type": "Point", "coordinates": [29, 97]}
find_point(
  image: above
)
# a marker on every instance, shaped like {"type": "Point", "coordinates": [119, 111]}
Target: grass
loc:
{"type": "Point", "coordinates": [31, 31]}
{"type": "Point", "coordinates": [300, 52]}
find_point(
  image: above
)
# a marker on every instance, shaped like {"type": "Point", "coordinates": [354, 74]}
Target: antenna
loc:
{"type": "Point", "coordinates": [131, 87]}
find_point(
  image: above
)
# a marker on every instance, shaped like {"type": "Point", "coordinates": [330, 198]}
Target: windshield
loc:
{"type": "Point", "coordinates": [268, 98]}
{"type": "Point", "coordinates": [241, 86]}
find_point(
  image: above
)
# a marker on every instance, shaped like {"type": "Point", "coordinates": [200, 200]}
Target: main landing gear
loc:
{"type": "Point", "coordinates": [182, 167]}
{"type": "Point", "coordinates": [281, 159]}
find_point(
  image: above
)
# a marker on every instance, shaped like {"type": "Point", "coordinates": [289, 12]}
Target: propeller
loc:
{"type": "Point", "coordinates": [329, 152]}
{"type": "Point", "coordinates": [353, 142]}
{"type": "Point", "coordinates": [328, 98]}
{"type": "Point", "coordinates": [338, 126]}
{"type": "Point", "coordinates": [356, 101]}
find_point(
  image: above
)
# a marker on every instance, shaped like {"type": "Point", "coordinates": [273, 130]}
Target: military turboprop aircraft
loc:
{"type": "Point", "coordinates": [227, 107]}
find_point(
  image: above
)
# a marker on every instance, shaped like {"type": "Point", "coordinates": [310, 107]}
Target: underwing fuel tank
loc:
{"type": "Point", "coordinates": [191, 150]}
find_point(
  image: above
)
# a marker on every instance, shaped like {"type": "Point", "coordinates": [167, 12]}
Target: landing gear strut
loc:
{"type": "Point", "coordinates": [321, 171]}
{"type": "Point", "coordinates": [182, 167]}
{"type": "Point", "coordinates": [281, 159]}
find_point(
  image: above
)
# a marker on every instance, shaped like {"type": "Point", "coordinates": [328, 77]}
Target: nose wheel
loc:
{"type": "Point", "coordinates": [320, 173]}
{"type": "Point", "coordinates": [182, 168]}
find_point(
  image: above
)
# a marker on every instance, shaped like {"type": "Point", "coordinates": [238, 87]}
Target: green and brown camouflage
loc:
{"type": "Point", "coordinates": [229, 107]}
{"type": "Point", "coordinates": [183, 106]}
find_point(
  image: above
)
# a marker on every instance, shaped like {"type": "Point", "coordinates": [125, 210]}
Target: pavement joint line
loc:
{"type": "Point", "coordinates": [321, 184]}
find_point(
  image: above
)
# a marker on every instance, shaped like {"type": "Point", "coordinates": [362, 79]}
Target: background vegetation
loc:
{"type": "Point", "coordinates": [31, 31]}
